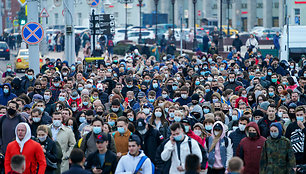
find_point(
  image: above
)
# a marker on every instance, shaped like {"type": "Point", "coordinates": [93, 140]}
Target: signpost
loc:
{"type": "Point", "coordinates": [95, 3]}
{"type": "Point", "coordinates": [16, 23]}
{"type": "Point", "coordinates": [101, 24]}
{"type": "Point", "coordinates": [32, 33]}
{"type": "Point", "coordinates": [22, 2]}
{"type": "Point", "coordinates": [44, 13]}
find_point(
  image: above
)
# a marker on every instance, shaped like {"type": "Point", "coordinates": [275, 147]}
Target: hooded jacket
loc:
{"type": "Point", "coordinates": [220, 151]}
{"type": "Point", "coordinates": [4, 98]}
{"type": "Point", "coordinates": [32, 151]}
{"type": "Point", "coordinates": [249, 150]}
{"type": "Point", "coordinates": [277, 155]}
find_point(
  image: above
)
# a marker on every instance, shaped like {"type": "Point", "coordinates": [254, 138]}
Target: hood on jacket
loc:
{"type": "Point", "coordinates": [16, 83]}
{"type": "Point", "coordinates": [279, 127]}
{"type": "Point", "coordinates": [197, 108]}
{"type": "Point", "coordinates": [10, 88]}
{"type": "Point", "coordinates": [255, 126]}
{"type": "Point", "coordinates": [223, 129]}
{"type": "Point", "coordinates": [26, 138]}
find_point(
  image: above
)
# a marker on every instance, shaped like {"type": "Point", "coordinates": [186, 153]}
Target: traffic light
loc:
{"type": "Point", "coordinates": [23, 21]}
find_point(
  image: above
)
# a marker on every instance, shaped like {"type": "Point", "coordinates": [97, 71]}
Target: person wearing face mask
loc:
{"type": "Point", "coordinates": [184, 99]}
{"type": "Point", "coordinates": [28, 80]}
{"type": "Point", "coordinates": [56, 88]}
{"type": "Point", "coordinates": [295, 132]}
{"type": "Point", "coordinates": [159, 121]}
{"type": "Point", "coordinates": [250, 148]}
{"type": "Point", "coordinates": [121, 136]}
{"type": "Point", "coordinates": [65, 136]}
{"type": "Point", "coordinates": [7, 122]}
{"type": "Point", "coordinates": [155, 86]}
{"type": "Point", "coordinates": [197, 115]}
{"type": "Point", "coordinates": [75, 98]}
{"type": "Point", "coordinates": [37, 120]}
{"type": "Point", "coordinates": [116, 108]}
{"type": "Point", "coordinates": [50, 149]}
{"type": "Point", "coordinates": [89, 116]}
{"type": "Point", "coordinates": [237, 135]}
{"type": "Point", "coordinates": [150, 137]}
{"type": "Point", "coordinates": [178, 147]}
{"type": "Point", "coordinates": [7, 95]}
{"type": "Point", "coordinates": [88, 144]}
{"type": "Point", "coordinates": [129, 87]}
{"type": "Point", "coordinates": [189, 132]}
{"type": "Point", "coordinates": [277, 155]}
{"type": "Point", "coordinates": [219, 149]}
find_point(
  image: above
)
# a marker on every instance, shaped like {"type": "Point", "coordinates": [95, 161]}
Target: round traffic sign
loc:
{"type": "Point", "coordinates": [95, 3]}
{"type": "Point", "coordinates": [32, 33]}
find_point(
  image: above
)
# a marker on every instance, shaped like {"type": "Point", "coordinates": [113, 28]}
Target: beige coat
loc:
{"type": "Point", "coordinates": [65, 138]}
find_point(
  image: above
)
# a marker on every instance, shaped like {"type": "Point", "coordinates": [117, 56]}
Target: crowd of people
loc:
{"type": "Point", "coordinates": [149, 114]}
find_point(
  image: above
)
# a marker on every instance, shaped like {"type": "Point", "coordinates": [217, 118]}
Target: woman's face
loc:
{"type": "Point", "coordinates": [41, 134]}
{"type": "Point", "coordinates": [105, 128]}
{"type": "Point", "coordinates": [70, 123]}
{"type": "Point", "coordinates": [197, 128]}
{"type": "Point", "coordinates": [280, 89]}
{"type": "Point", "coordinates": [158, 110]}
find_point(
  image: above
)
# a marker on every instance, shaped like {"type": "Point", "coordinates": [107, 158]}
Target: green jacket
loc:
{"type": "Point", "coordinates": [277, 156]}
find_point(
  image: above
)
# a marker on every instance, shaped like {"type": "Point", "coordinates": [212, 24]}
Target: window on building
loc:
{"type": "Point", "coordinates": [276, 5]}
{"type": "Point", "coordinates": [244, 5]}
{"type": "Point", "coordinates": [259, 5]}
{"type": "Point", "coordinates": [260, 22]}
{"type": "Point", "coordinates": [214, 6]}
{"type": "Point", "coordinates": [80, 19]}
{"type": "Point", "coordinates": [297, 16]}
{"type": "Point", "coordinates": [56, 18]}
{"type": "Point", "coordinates": [116, 14]}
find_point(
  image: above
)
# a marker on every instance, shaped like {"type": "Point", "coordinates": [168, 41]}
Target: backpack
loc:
{"type": "Point", "coordinates": [110, 43]}
{"type": "Point", "coordinates": [140, 163]}
{"type": "Point", "coordinates": [204, 156]}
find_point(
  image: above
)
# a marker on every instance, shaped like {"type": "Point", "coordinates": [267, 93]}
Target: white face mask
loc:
{"type": "Point", "coordinates": [216, 133]}
{"type": "Point", "coordinates": [198, 132]}
{"type": "Point", "coordinates": [241, 127]}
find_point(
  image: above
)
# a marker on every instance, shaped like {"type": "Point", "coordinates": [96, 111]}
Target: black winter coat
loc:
{"type": "Point", "coordinates": [109, 165]}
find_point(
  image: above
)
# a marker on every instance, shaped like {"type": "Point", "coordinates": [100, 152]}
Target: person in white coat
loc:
{"type": "Point", "coordinates": [128, 163]}
{"type": "Point", "coordinates": [252, 43]}
{"type": "Point", "coordinates": [177, 148]}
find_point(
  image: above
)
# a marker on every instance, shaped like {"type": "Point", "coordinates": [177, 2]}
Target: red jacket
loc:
{"type": "Point", "coordinates": [250, 149]}
{"type": "Point", "coordinates": [78, 101]}
{"type": "Point", "coordinates": [33, 153]}
{"type": "Point", "coordinates": [192, 135]}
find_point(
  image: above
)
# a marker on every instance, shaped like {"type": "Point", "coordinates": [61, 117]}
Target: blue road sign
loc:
{"type": "Point", "coordinates": [32, 33]}
{"type": "Point", "coordinates": [95, 3]}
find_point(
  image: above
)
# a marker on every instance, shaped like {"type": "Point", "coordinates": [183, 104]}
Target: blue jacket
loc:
{"type": "Point", "coordinates": [76, 169]}
{"type": "Point", "coordinates": [4, 98]}
{"type": "Point", "coordinates": [236, 137]}
{"type": "Point", "coordinates": [276, 42]}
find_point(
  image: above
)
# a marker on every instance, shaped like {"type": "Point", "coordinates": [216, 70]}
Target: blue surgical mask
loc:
{"type": "Point", "coordinates": [131, 119]}
{"type": "Point", "coordinates": [202, 73]}
{"type": "Point", "coordinates": [73, 98]}
{"type": "Point", "coordinates": [71, 127]}
{"type": "Point", "coordinates": [30, 77]}
{"type": "Point", "coordinates": [234, 117]}
{"type": "Point", "coordinates": [56, 84]}
{"type": "Point", "coordinates": [174, 88]}
{"type": "Point", "coordinates": [269, 73]}
{"type": "Point", "coordinates": [72, 68]}
{"type": "Point", "coordinates": [274, 134]}
{"type": "Point", "coordinates": [206, 110]}
{"type": "Point", "coordinates": [177, 119]}
{"type": "Point", "coordinates": [271, 94]}
{"type": "Point", "coordinates": [178, 137]}
{"type": "Point", "coordinates": [121, 130]}
{"type": "Point", "coordinates": [82, 119]}
{"type": "Point", "coordinates": [85, 103]}
{"type": "Point", "coordinates": [300, 118]}
{"type": "Point", "coordinates": [6, 91]}
{"type": "Point", "coordinates": [197, 82]}
{"type": "Point", "coordinates": [129, 86]}
{"type": "Point", "coordinates": [111, 123]}
{"type": "Point", "coordinates": [208, 127]}
{"type": "Point", "coordinates": [171, 115]}
{"type": "Point", "coordinates": [41, 108]}
{"type": "Point", "coordinates": [251, 77]}
{"type": "Point", "coordinates": [187, 129]}
{"type": "Point", "coordinates": [207, 90]}
{"type": "Point", "coordinates": [80, 88]}
{"type": "Point", "coordinates": [151, 100]}
{"type": "Point", "coordinates": [62, 99]}
{"type": "Point", "coordinates": [96, 130]}
{"type": "Point", "coordinates": [155, 85]}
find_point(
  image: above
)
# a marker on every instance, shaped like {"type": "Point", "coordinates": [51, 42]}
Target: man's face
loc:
{"type": "Point", "coordinates": [130, 95]}
{"type": "Point", "coordinates": [21, 131]}
{"type": "Point", "coordinates": [271, 112]}
{"type": "Point", "coordinates": [97, 124]}
{"type": "Point", "coordinates": [101, 146]}
{"type": "Point", "coordinates": [65, 115]}
{"type": "Point", "coordinates": [252, 130]}
{"type": "Point", "coordinates": [57, 117]}
{"type": "Point", "coordinates": [243, 122]}
{"type": "Point", "coordinates": [13, 106]}
{"type": "Point", "coordinates": [295, 97]}
{"type": "Point", "coordinates": [122, 124]}
{"type": "Point", "coordinates": [62, 94]}
{"type": "Point", "coordinates": [176, 132]}
{"type": "Point", "coordinates": [133, 148]}
{"type": "Point", "coordinates": [300, 114]}
{"type": "Point", "coordinates": [35, 114]}
{"type": "Point", "coordinates": [40, 105]}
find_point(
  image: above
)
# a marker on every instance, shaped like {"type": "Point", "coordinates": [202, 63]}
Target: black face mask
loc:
{"type": "Point", "coordinates": [197, 116]}
{"type": "Point", "coordinates": [217, 109]}
{"type": "Point", "coordinates": [291, 115]}
{"type": "Point", "coordinates": [252, 134]}
{"type": "Point", "coordinates": [195, 103]}
{"type": "Point", "coordinates": [215, 88]}
{"type": "Point", "coordinates": [99, 113]}
{"type": "Point", "coordinates": [11, 111]}
{"type": "Point", "coordinates": [225, 111]}
{"type": "Point", "coordinates": [88, 121]}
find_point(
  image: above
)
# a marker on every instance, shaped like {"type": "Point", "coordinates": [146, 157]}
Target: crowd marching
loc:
{"type": "Point", "coordinates": [145, 114]}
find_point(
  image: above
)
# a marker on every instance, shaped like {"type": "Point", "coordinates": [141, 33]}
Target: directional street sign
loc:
{"type": "Point", "coordinates": [102, 24]}
{"type": "Point", "coordinates": [32, 33]}
{"type": "Point", "coordinates": [95, 3]}
{"type": "Point", "coordinates": [22, 2]}
{"type": "Point", "coordinates": [44, 13]}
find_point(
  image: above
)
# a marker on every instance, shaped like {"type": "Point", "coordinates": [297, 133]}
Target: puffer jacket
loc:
{"type": "Point", "coordinates": [250, 149]}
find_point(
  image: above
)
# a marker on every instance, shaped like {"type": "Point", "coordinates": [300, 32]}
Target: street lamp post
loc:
{"type": "Point", "coordinates": [220, 44]}
{"type": "Point", "coordinates": [156, 18]}
{"type": "Point", "coordinates": [228, 5]}
{"type": "Point", "coordinates": [140, 5]}
{"type": "Point", "coordinates": [173, 2]}
{"type": "Point", "coordinates": [194, 26]}
{"type": "Point", "coordinates": [126, 13]}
